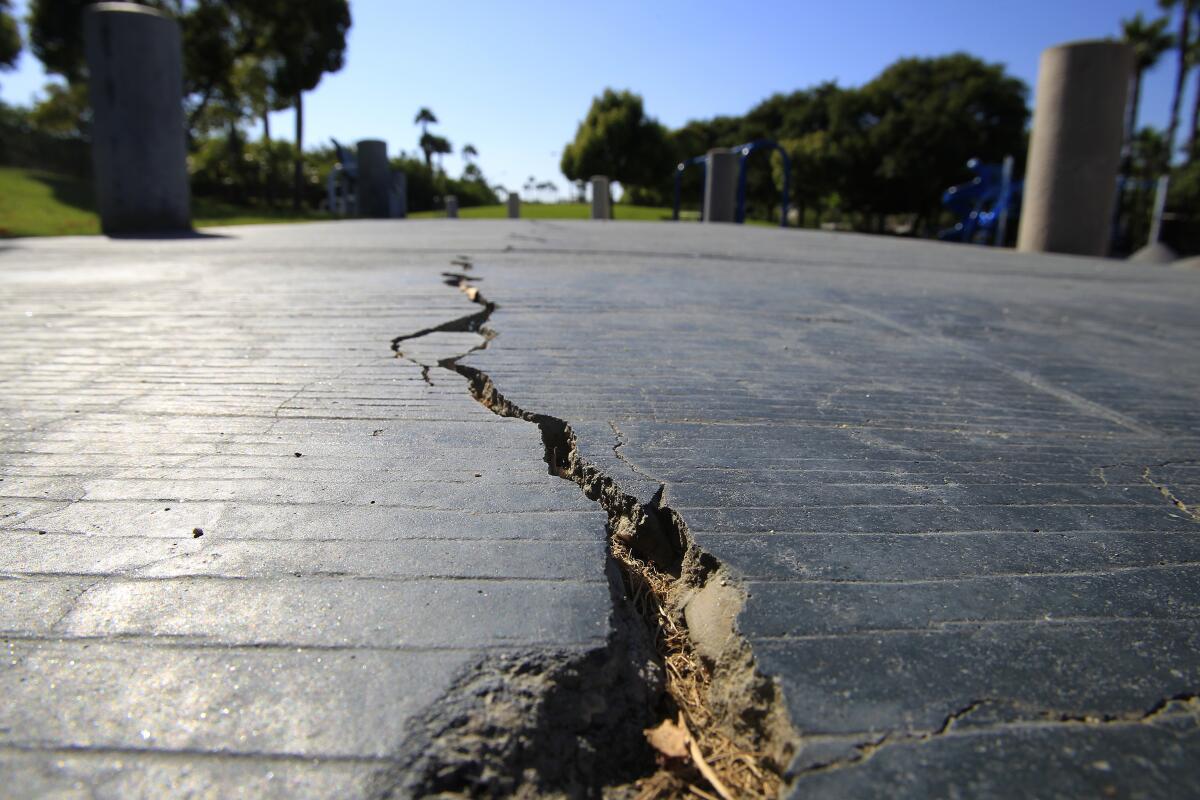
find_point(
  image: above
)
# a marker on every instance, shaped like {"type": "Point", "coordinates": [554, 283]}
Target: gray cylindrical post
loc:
{"type": "Point", "coordinates": [1075, 148]}
{"type": "Point", "coordinates": [720, 186]}
{"type": "Point", "coordinates": [601, 209]}
{"type": "Point", "coordinates": [135, 86]}
{"type": "Point", "coordinates": [514, 205]}
{"type": "Point", "coordinates": [398, 197]}
{"type": "Point", "coordinates": [451, 206]}
{"type": "Point", "coordinates": [374, 179]}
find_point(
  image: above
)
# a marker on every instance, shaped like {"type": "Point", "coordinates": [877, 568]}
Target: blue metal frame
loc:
{"type": "Point", "coordinates": [743, 151]}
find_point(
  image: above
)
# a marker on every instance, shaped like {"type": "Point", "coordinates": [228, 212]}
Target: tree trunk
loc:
{"type": "Point", "coordinates": [298, 164]}
{"type": "Point", "coordinates": [269, 181]}
{"type": "Point", "coordinates": [1191, 148]}
{"type": "Point", "coordinates": [1180, 76]}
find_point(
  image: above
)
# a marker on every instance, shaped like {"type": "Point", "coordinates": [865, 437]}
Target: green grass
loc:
{"type": "Point", "coordinates": [36, 203]}
{"type": "Point", "coordinates": [558, 211]}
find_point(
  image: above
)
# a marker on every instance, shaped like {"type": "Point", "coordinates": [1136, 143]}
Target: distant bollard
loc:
{"type": "Point", "coordinates": [1075, 148]}
{"type": "Point", "coordinates": [514, 205]}
{"type": "Point", "coordinates": [374, 180]}
{"type": "Point", "coordinates": [720, 186]}
{"type": "Point", "coordinates": [398, 197]}
{"type": "Point", "coordinates": [451, 207]}
{"type": "Point", "coordinates": [601, 207]}
{"type": "Point", "coordinates": [135, 86]}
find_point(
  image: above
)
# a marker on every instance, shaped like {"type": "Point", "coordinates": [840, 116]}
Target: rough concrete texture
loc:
{"type": "Point", "coordinates": [955, 485]}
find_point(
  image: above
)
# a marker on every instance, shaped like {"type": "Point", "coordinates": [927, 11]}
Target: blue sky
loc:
{"type": "Point", "coordinates": [515, 78]}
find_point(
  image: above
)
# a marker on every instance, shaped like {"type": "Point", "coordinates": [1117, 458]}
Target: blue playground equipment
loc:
{"type": "Point", "coordinates": [983, 205]}
{"type": "Point", "coordinates": [743, 151]}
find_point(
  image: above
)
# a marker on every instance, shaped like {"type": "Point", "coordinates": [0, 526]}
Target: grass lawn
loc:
{"type": "Point", "coordinates": [35, 203]}
{"type": "Point", "coordinates": [558, 211]}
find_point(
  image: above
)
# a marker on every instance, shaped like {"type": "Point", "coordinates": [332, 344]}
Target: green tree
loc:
{"type": "Point", "coordinates": [10, 37]}
{"type": "Point", "coordinates": [1149, 41]}
{"type": "Point", "coordinates": [56, 36]}
{"type": "Point", "coordinates": [1183, 46]}
{"type": "Point", "coordinates": [64, 111]}
{"type": "Point", "coordinates": [306, 39]}
{"type": "Point", "coordinates": [434, 145]}
{"type": "Point", "coordinates": [425, 118]}
{"type": "Point", "coordinates": [617, 139]}
{"type": "Point", "coordinates": [923, 118]}
{"type": "Point", "coordinates": [469, 153]}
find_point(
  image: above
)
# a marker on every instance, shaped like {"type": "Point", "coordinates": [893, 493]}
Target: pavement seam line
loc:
{"type": "Point", "coordinates": [684, 595]}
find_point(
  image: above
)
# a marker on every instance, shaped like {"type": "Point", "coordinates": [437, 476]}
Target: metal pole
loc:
{"type": "Point", "coordinates": [787, 171]}
{"type": "Point", "coordinates": [678, 181]}
{"type": "Point", "coordinates": [1005, 191]}
{"type": "Point", "coordinates": [1160, 204]}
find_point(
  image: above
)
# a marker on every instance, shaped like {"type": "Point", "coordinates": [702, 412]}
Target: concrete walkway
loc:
{"type": "Point", "coordinates": [248, 551]}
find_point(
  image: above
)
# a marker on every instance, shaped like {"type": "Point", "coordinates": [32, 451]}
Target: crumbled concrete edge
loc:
{"type": "Point", "coordinates": [537, 723]}
{"type": "Point", "coordinates": [672, 582]}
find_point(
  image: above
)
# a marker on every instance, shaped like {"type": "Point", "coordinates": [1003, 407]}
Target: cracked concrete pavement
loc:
{"type": "Point", "coordinates": [956, 485]}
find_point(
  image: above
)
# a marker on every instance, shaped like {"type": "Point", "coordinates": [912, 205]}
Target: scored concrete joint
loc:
{"type": "Point", "coordinates": [374, 180]}
{"type": "Point", "coordinates": [720, 186]}
{"type": "Point", "coordinates": [139, 158]}
{"type": "Point", "coordinates": [514, 205]}
{"type": "Point", "coordinates": [601, 208]}
{"type": "Point", "coordinates": [451, 206]}
{"type": "Point", "coordinates": [1075, 148]}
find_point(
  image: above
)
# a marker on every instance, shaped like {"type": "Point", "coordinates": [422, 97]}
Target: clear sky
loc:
{"type": "Point", "coordinates": [515, 78]}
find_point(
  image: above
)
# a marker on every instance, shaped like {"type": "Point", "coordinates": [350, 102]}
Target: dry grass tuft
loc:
{"type": "Point", "coordinates": [737, 769]}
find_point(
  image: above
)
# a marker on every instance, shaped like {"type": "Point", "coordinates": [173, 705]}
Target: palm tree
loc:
{"type": "Point", "coordinates": [425, 118]}
{"type": "Point", "coordinates": [469, 153]}
{"type": "Point", "coordinates": [439, 146]}
{"type": "Point", "coordinates": [1187, 8]}
{"type": "Point", "coordinates": [1194, 57]}
{"type": "Point", "coordinates": [1149, 41]}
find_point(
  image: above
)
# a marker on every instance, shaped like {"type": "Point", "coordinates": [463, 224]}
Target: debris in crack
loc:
{"type": "Point", "coordinates": [740, 737]}
{"type": "Point", "coordinates": [1170, 496]}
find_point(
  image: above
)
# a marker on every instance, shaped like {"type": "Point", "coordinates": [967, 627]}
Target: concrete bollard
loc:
{"type": "Point", "coordinates": [1075, 148]}
{"type": "Point", "coordinates": [514, 205]}
{"type": "Point", "coordinates": [139, 158]}
{"type": "Point", "coordinates": [720, 186]}
{"type": "Point", "coordinates": [451, 206]}
{"type": "Point", "coordinates": [374, 180]}
{"type": "Point", "coordinates": [398, 197]}
{"type": "Point", "coordinates": [601, 207]}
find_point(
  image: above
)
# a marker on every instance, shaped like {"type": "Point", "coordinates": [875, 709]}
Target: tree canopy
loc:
{"type": "Point", "coordinates": [891, 146]}
{"type": "Point", "coordinates": [617, 139]}
{"type": "Point", "coordinates": [10, 36]}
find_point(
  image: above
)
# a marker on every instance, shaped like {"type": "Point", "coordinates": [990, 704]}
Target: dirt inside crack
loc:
{"type": "Point", "coordinates": [698, 674]}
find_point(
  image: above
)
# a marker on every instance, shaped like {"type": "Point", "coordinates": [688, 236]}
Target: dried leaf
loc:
{"type": "Point", "coordinates": [669, 739]}
{"type": "Point", "coordinates": [708, 772]}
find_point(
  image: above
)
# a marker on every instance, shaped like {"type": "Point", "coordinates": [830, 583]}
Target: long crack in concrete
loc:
{"type": "Point", "coordinates": [566, 723]}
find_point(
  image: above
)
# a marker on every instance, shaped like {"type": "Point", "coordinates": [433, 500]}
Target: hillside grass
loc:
{"type": "Point", "coordinates": [37, 203]}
